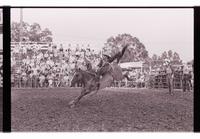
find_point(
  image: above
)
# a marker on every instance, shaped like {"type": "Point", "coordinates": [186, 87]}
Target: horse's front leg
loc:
{"type": "Point", "coordinates": [93, 93]}
{"type": "Point", "coordinates": [95, 90]}
{"type": "Point", "coordinates": [77, 99]}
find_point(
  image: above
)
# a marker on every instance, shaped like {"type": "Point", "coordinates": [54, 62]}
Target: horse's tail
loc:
{"type": "Point", "coordinates": [122, 53]}
{"type": "Point", "coordinates": [118, 55]}
{"type": "Point", "coordinates": [123, 50]}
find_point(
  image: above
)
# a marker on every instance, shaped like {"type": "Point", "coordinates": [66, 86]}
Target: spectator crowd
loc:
{"type": "Point", "coordinates": [50, 66]}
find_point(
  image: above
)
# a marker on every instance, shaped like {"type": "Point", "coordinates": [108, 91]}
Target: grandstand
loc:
{"type": "Point", "coordinates": [39, 57]}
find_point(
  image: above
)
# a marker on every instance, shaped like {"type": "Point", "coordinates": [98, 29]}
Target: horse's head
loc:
{"type": "Point", "coordinates": [78, 76]}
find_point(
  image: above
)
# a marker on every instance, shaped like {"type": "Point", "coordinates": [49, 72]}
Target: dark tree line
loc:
{"type": "Point", "coordinates": [30, 33]}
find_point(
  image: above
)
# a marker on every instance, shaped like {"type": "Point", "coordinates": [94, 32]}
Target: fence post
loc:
{"type": "Point", "coordinates": [34, 82]}
{"type": "Point", "coordinates": [20, 84]}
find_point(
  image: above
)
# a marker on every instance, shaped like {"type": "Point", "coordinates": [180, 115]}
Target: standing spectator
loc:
{"type": "Point", "coordinates": [66, 79]}
{"type": "Point", "coordinates": [185, 78]}
{"type": "Point", "coordinates": [50, 80]}
{"type": "Point", "coordinates": [24, 80]}
{"type": "Point", "coordinates": [181, 76]}
{"type": "Point", "coordinates": [190, 80]}
{"type": "Point", "coordinates": [147, 80]}
{"type": "Point", "coordinates": [170, 76]}
{"type": "Point", "coordinates": [41, 80]}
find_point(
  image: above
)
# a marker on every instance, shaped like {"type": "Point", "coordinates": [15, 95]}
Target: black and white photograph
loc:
{"type": "Point", "coordinates": [102, 69]}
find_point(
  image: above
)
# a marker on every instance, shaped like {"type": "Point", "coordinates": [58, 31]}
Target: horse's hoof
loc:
{"type": "Point", "coordinates": [71, 104]}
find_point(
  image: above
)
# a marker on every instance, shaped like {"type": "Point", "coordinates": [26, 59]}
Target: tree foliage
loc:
{"type": "Point", "coordinates": [173, 57]}
{"type": "Point", "coordinates": [135, 52]}
{"type": "Point", "coordinates": [30, 32]}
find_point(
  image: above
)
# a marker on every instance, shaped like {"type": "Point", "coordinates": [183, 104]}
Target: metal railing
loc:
{"type": "Point", "coordinates": [35, 83]}
{"type": "Point", "coordinates": [56, 83]}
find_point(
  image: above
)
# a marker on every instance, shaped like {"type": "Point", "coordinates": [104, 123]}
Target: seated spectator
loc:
{"type": "Point", "coordinates": [66, 80]}
{"type": "Point", "coordinates": [50, 80]}
{"type": "Point", "coordinates": [36, 64]}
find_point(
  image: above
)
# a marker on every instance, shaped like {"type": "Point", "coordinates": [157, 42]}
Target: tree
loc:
{"type": "Point", "coordinates": [176, 59]}
{"type": "Point", "coordinates": [164, 55]}
{"type": "Point", "coordinates": [154, 60]}
{"type": "Point", "coordinates": [191, 62]}
{"type": "Point", "coordinates": [46, 35]}
{"type": "Point", "coordinates": [34, 33]}
{"type": "Point", "coordinates": [30, 32]}
{"type": "Point", "coordinates": [136, 50]}
{"type": "Point", "coordinates": [154, 57]}
{"type": "Point", "coordinates": [173, 57]}
{"type": "Point", "coordinates": [170, 54]}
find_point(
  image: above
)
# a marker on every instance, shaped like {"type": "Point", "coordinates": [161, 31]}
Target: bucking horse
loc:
{"type": "Point", "coordinates": [93, 81]}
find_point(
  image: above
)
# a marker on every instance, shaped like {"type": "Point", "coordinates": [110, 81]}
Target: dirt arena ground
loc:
{"type": "Point", "coordinates": [109, 110]}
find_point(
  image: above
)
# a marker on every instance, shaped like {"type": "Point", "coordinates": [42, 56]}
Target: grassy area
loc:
{"type": "Point", "coordinates": [109, 110]}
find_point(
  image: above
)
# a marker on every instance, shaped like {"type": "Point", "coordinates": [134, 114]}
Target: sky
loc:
{"type": "Point", "coordinates": [158, 29]}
